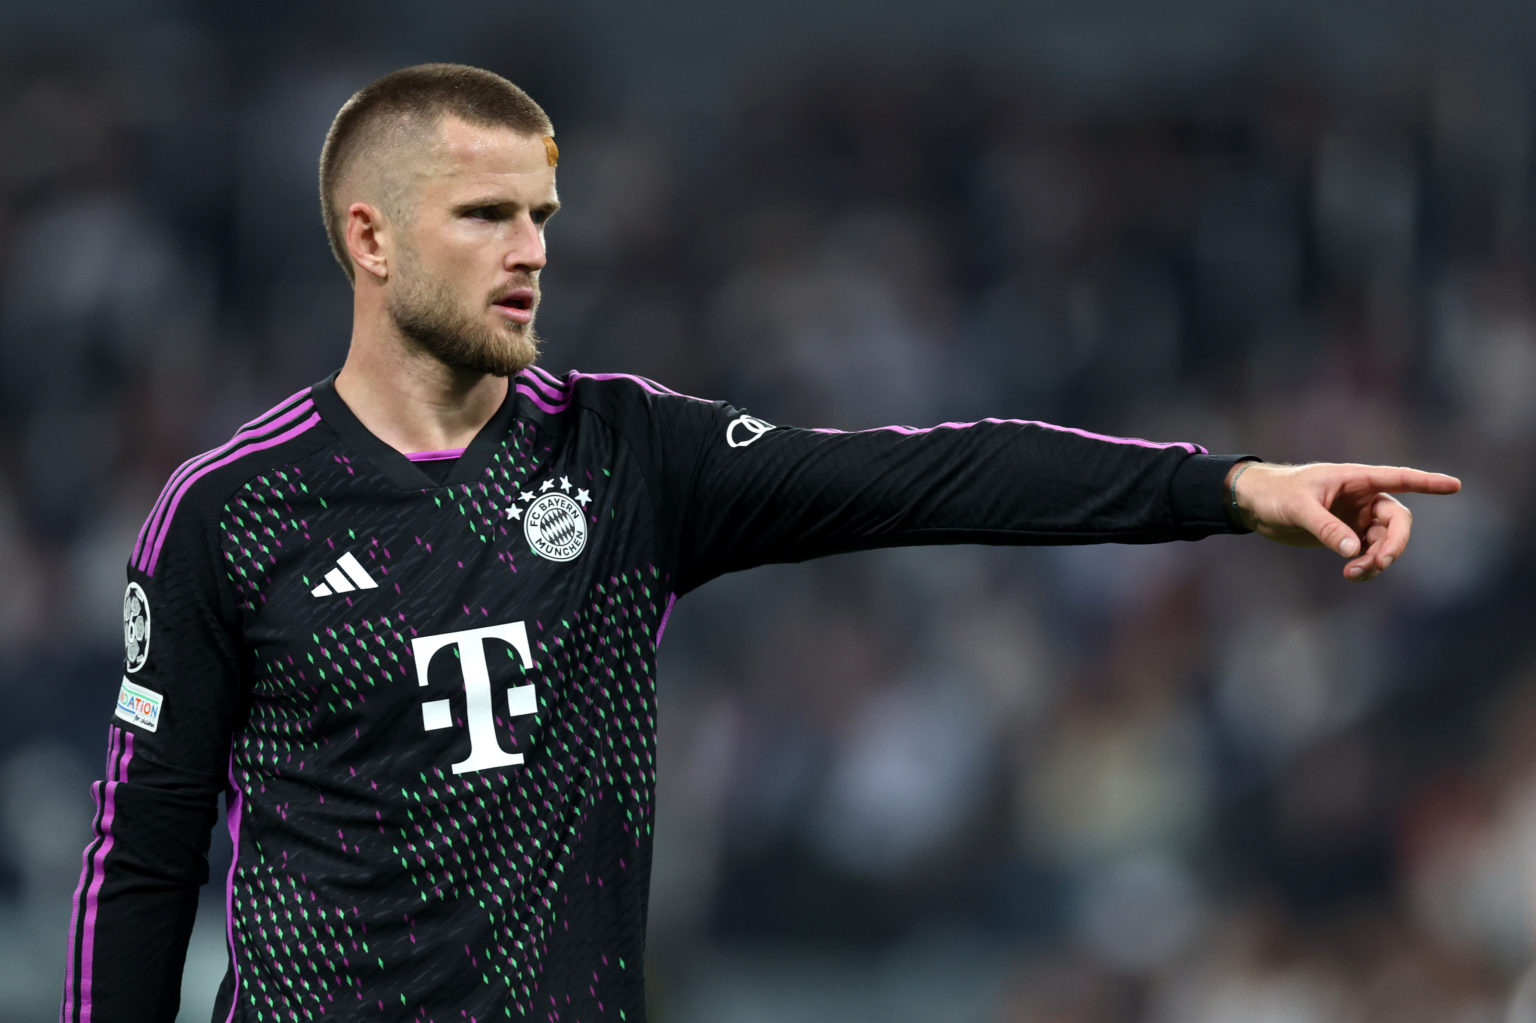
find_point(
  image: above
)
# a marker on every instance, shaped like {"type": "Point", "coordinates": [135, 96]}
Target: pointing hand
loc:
{"type": "Point", "coordinates": [1345, 507]}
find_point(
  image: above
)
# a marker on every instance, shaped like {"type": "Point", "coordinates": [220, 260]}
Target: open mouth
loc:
{"type": "Point", "coordinates": [517, 305]}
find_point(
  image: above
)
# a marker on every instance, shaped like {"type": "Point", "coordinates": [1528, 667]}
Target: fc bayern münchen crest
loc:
{"type": "Point", "coordinates": [135, 627]}
{"type": "Point", "coordinates": [556, 527]}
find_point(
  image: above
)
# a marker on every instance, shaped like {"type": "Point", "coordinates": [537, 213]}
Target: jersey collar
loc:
{"type": "Point", "coordinates": [398, 468]}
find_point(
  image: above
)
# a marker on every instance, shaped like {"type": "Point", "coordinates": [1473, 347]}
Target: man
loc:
{"type": "Point", "coordinates": [407, 620]}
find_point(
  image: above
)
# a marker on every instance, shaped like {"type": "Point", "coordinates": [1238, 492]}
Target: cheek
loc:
{"type": "Point", "coordinates": [459, 270]}
{"type": "Point", "coordinates": [477, 259]}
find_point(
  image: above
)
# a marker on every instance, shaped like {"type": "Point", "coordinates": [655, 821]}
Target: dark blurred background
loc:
{"type": "Point", "coordinates": [1202, 783]}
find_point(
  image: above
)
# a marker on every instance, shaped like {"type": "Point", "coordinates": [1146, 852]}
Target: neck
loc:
{"type": "Point", "coordinates": [413, 402]}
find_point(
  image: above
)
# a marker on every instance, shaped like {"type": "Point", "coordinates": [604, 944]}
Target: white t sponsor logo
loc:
{"type": "Point", "coordinates": [744, 430]}
{"type": "Point", "coordinates": [484, 748]}
{"type": "Point", "coordinates": [135, 627]}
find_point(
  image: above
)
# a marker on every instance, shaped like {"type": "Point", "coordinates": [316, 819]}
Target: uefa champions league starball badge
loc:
{"type": "Point", "coordinates": [554, 521]}
{"type": "Point", "coordinates": [135, 627]}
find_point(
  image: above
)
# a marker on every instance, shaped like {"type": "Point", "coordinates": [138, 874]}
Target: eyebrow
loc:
{"type": "Point", "coordinates": [548, 208]}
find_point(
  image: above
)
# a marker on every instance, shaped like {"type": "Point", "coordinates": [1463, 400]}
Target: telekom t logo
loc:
{"type": "Point", "coordinates": [484, 749]}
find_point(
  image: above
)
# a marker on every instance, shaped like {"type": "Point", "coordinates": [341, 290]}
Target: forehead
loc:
{"type": "Point", "coordinates": [470, 157]}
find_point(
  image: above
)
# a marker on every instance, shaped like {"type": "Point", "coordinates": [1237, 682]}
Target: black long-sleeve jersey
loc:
{"type": "Point", "coordinates": [426, 683]}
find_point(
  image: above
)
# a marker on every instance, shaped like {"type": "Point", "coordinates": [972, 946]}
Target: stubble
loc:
{"type": "Point", "coordinates": [429, 318]}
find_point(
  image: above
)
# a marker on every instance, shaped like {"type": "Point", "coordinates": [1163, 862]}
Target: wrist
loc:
{"type": "Point", "coordinates": [1237, 511]}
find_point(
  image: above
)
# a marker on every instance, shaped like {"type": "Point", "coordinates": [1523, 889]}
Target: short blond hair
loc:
{"type": "Point", "coordinates": [407, 105]}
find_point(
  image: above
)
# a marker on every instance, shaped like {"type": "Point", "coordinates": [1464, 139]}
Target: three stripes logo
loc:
{"type": "Point", "coordinates": [348, 575]}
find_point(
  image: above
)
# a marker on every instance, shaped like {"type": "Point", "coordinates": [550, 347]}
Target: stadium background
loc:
{"type": "Point", "coordinates": [1191, 784]}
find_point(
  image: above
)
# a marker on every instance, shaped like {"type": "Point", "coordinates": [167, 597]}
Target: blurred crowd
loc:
{"type": "Point", "coordinates": [1194, 783]}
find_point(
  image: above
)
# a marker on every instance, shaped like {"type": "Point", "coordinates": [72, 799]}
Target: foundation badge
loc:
{"type": "Point", "coordinates": [554, 520]}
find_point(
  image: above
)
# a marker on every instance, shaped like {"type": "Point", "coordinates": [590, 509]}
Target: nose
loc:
{"type": "Point", "coordinates": [525, 250]}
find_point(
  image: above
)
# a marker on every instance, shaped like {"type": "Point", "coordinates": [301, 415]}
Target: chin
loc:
{"type": "Point", "coordinates": [514, 354]}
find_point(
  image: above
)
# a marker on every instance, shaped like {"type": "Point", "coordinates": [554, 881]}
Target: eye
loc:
{"type": "Point", "coordinates": [485, 213]}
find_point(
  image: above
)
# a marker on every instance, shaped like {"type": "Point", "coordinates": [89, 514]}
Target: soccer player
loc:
{"type": "Point", "coordinates": [407, 620]}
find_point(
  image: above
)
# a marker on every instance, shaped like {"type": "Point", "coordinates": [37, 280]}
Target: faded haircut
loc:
{"type": "Point", "coordinates": [405, 107]}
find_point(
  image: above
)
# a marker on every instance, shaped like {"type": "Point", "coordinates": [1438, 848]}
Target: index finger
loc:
{"type": "Point", "coordinates": [1397, 479]}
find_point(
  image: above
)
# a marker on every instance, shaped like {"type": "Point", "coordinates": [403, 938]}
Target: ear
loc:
{"type": "Point", "coordinates": [368, 240]}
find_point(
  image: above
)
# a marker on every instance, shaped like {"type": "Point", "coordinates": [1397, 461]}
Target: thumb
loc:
{"type": "Point", "coordinates": [1330, 531]}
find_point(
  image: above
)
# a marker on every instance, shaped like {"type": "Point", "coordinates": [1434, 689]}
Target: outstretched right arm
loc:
{"type": "Point", "coordinates": [167, 760]}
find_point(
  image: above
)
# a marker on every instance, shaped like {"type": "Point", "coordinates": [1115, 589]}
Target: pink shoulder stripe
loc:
{"type": "Point", "coordinates": [191, 464]}
{"type": "Point", "coordinates": [1133, 441]}
{"type": "Point", "coordinates": [545, 380]}
{"type": "Point", "coordinates": [534, 384]}
{"type": "Point", "coordinates": [645, 384]}
{"type": "Point", "coordinates": [539, 399]}
{"type": "Point", "coordinates": [249, 445]}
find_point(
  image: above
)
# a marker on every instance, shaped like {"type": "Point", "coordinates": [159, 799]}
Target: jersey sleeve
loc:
{"type": "Point", "coordinates": [734, 492]}
{"type": "Point", "coordinates": [168, 751]}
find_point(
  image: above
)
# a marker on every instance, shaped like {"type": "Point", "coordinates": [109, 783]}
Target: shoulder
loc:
{"type": "Point", "coordinates": [618, 395]}
{"type": "Point", "coordinates": [202, 484]}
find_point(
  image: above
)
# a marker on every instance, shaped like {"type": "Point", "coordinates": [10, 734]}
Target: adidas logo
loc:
{"type": "Point", "coordinates": [348, 575]}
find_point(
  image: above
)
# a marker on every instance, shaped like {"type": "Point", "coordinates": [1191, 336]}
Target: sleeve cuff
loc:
{"type": "Point", "coordinates": [1198, 493]}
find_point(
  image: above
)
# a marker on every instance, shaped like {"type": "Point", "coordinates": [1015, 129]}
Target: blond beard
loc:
{"type": "Point", "coordinates": [428, 318]}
